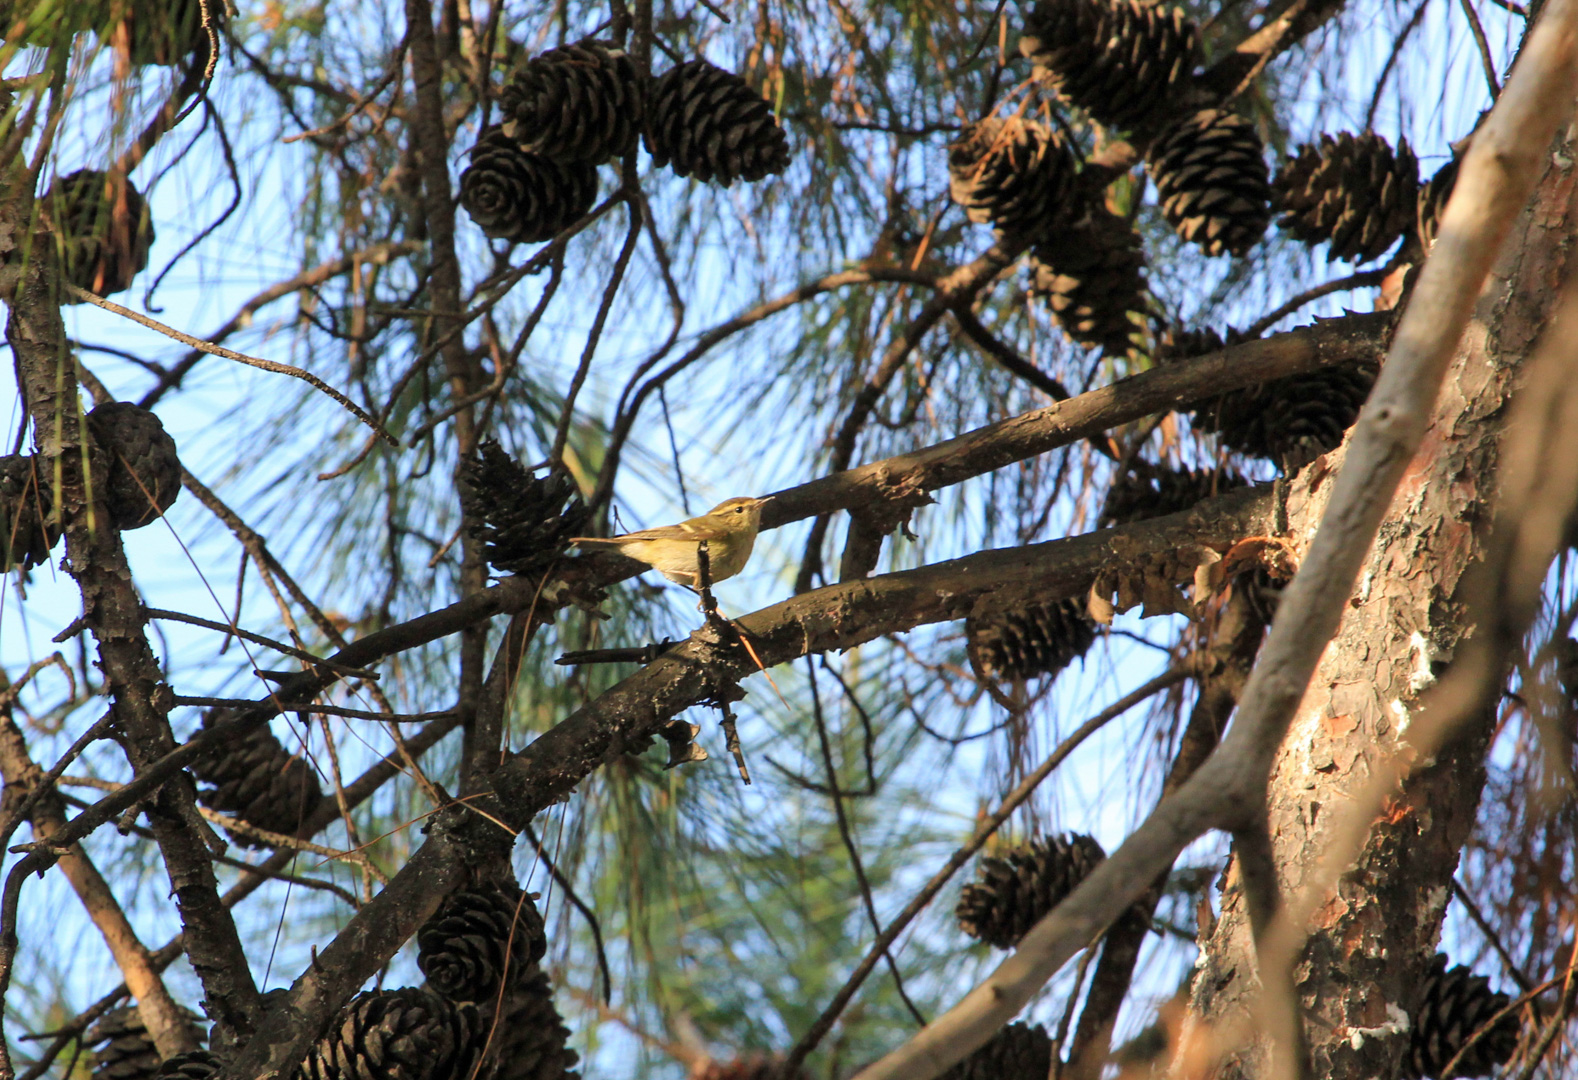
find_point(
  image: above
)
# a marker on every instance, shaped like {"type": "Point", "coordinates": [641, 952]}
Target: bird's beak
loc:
{"type": "Point", "coordinates": [764, 500]}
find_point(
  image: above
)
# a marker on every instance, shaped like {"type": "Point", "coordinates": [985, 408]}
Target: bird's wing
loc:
{"type": "Point", "coordinates": [685, 530]}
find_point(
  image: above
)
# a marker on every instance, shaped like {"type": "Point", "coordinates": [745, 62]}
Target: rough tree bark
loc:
{"type": "Point", "coordinates": [1371, 939]}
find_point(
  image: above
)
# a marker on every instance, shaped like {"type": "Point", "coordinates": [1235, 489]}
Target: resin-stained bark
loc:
{"type": "Point", "coordinates": [1371, 938]}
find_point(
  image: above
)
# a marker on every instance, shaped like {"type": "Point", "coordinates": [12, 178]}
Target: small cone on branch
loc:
{"type": "Point", "coordinates": [1014, 173]}
{"type": "Point", "coordinates": [26, 532]}
{"type": "Point", "coordinates": [1018, 1052]}
{"type": "Point", "coordinates": [577, 104]}
{"type": "Point", "coordinates": [529, 1041]}
{"type": "Point", "coordinates": [1015, 891]}
{"type": "Point", "coordinates": [524, 521]}
{"type": "Point", "coordinates": [520, 197]}
{"type": "Point", "coordinates": [1210, 173]}
{"type": "Point", "coordinates": [144, 470]}
{"type": "Point", "coordinates": [1432, 200]}
{"type": "Point", "coordinates": [1452, 1006]}
{"type": "Point", "coordinates": [1181, 344]}
{"type": "Point", "coordinates": [1092, 277]}
{"type": "Point", "coordinates": [706, 122]}
{"type": "Point", "coordinates": [1294, 420]}
{"type": "Point", "coordinates": [1122, 61]}
{"type": "Point", "coordinates": [1156, 490]}
{"type": "Point", "coordinates": [1351, 191]}
{"type": "Point", "coordinates": [122, 1047]}
{"type": "Point", "coordinates": [405, 1034]}
{"type": "Point", "coordinates": [102, 228]}
{"type": "Point", "coordinates": [1041, 639]}
{"type": "Point", "coordinates": [478, 939]}
{"type": "Point", "coordinates": [254, 779]}
{"type": "Point", "coordinates": [192, 1065]}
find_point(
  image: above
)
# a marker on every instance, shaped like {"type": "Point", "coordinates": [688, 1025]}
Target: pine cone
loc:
{"type": "Point", "coordinates": [1210, 173]}
{"type": "Point", "coordinates": [1018, 1052]}
{"type": "Point", "coordinates": [1156, 490]}
{"type": "Point", "coordinates": [1040, 640]}
{"type": "Point", "coordinates": [1122, 61]}
{"type": "Point", "coordinates": [1180, 344]}
{"type": "Point", "coordinates": [529, 1042]}
{"type": "Point", "coordinates": [102, 227]}
{"type": "Point", "coordinates": [1093, 278]}
{"type": "Point", "coordinates": [577, 104]}
{"type": "Point", "coordinates": [1352, 191]}
{"type": "Point", "coordinates": [477, 938]}
{"type": "Point", "coordinates": [1432, 201]}
{"type": "Point", "coordinates": [1452, 1005]}
{"type": "Point", "coordinates": [1014, 892]}
{"type": "Point", "coordinates": [192, 1065]}
{"type": "Point", "coordinates": [144, 471]}
{"type": "Point", "coordinates": [1014, 173]}
{"type": "Point", "coordinates": [26, 532]}
{"type": "Point", "coordinates": [254, 779]}
{"type": "Point", "coordinates": [708, 123]}
{"type": "Point", "coordinates": [525, 521]}
{"type": "Point", "coordinates": [520, 197]}
{"type": "Point", "coordinates": [405, 1034]}
{"type": "Point", "coordinates": [123, 1049]}
{"type": "Point", "coordinates": [1294, 420]}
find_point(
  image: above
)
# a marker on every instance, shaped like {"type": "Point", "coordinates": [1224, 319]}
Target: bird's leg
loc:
{"type": "Point", "coordinates": [709, 604]}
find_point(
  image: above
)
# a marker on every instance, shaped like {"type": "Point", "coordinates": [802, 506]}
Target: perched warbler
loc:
{"type": "Point", "coordinates": [729, 529]}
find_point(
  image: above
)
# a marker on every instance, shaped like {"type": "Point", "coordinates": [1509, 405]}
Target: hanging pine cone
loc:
{"type": "Point", "coordinates": [529, 1042]}
{"type": "Point", "coordinates": [1042, 639]}
{"type": "Point", "coordinates": [477, 938]}
{"type": "Point", "coordinates": [1181, 344]}
{"type": "Point", "coordinates": [102, 230]}
{"type": "Point", "coordinates": [123, 1049]}
{"type": "Point", "coordinates": [524, 521]}
{"type": "Point", "coordinates": [1154, 490]}
{"type": "Point", "coordinates": [1294, 420]}
{"type": "Point", "coordinates": [708, 123]}
{"type": "Point", "coordinates": [520, 197]}
{"type": "Point", "coordinates": [1210, 173]}
{"type": "Point", "coordinates": [405, 1034]}
{"type": "Point", "coordinates": [26, 533]}
{"type": "Point", "coordinates": [1352, 191]}
{"type": "Point", "coordinates": [1015, 891]}
{"type": "Point", "coordinates": [192, 1065]}
{"type": "Point", "coordinates": [1014, 173]}
{"type": "Point", "coordinates": [1018, 1052]}
{"type": "Point", "coordinates": [254, 779]}
{"type": "Point", "coordinates": [1432, 201]}
{"type": "Point", "coordinates": [1122, 61]}
{"type": "Point", "coordinates": [1093, 278]}
{"type": "Point", "coordinates": [144, 471]}
{"type": "Point", "coordinates": [1452, 1006]}
{"type": "Point", "coordinates": [579, 103]}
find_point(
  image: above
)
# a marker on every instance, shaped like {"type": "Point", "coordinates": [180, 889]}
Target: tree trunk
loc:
{"type": "Point", "coordinates": [1372, 938]}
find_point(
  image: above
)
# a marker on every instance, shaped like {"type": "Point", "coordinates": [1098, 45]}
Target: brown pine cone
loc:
{"type": "Point", "coordinates": [520, 197]}
{"type": "Point", "coordinates": [708, 123]}
{"type": "Point", "coordinates": [1210, 173]}
{"type": "Point", "coordinates": [1018, 1052]}
{"type": "Point", "coordinates": [577, 104]}
{"type": "Point", "coordinates": [254, 779]}
{"type": "Point", "coordinates": [1016, 174]}
{"type": "Point", "coordinates": [1041, 639]}
{"type": "Point", "coordinates": [405, 1034]}
{"type": "Point", "coordinates": [529, 1041]}
{"type": "Point", "coordinates": [1015, 891]}
{"type": "Point", "coordinates": [102, 229]}
{"type": "Point", "coordinates": [26, 532]}
{"type": "Point", "coordinates": [1351, 191]}
{"type": "Point", "coordinates": [1093, 278]}
{"type": "Point", "coordinates": [144, 470]}
{"type": "Point", "coordinates": [1452, 1006]}
{"type": "Point", "coordinates": [479, 937]}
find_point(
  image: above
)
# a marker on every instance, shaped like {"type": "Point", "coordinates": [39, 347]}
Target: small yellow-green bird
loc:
{"type": "Point", "coordinates": [729, 529]}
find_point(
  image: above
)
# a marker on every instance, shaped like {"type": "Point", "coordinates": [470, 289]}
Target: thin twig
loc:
{"type": "Point", "coordinates": [1483, 45]}
{"type": "Point", "coordinates": [218, 350]}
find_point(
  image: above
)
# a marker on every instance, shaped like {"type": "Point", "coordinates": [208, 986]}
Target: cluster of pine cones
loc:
{"type": "Point", "coordinates": [143, 481]}
{"type": "Point", "coordinates": [570, 109]}
{"type": "Point", "coordinates": [486, 1013]}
